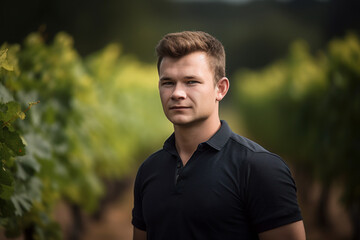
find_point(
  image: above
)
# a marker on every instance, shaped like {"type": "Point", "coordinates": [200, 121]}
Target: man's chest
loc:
{"type": "Point", "coordinates": [203, 192]}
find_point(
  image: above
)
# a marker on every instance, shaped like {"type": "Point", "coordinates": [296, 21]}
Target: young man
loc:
{"type": "Point", "coordinates": [208, 182]}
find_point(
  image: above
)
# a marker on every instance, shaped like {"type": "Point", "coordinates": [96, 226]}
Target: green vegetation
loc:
{"type": "Point", "coordinates": [91, 123]}
{"type": "Point", "coordinates": [70, 122]}
{"type": "Point", "coordinates": [307, 108]}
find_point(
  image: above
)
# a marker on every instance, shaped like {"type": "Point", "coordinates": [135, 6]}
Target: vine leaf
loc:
{"type": "Point", "coordinates": [25, 194]}
{"type": "Point", "coordinates": [6, 184]}
{"type": "Point", "coordinates": [3, 61]}
{"type": "Point", "coordinates": [13, 112]}
{"type": "Point", "coordinates": [13, 141]}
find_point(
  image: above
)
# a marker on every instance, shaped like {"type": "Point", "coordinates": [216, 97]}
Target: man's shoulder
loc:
{"type": "Point", "coordinates": [247, 144]}
{"type": "Point", "coordinates": [155, 155]}
{"type": "Point", "coordinates": [254, 152]}
{"type": "Point", "coordinates": [155, 158]}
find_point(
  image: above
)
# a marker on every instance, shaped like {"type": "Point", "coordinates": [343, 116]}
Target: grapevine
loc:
{"type": "Point", "coordinates": [92, 125]}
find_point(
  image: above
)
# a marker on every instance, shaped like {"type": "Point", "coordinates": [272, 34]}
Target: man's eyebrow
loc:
{"type": "Point", "coordinates": [189, 77]}
{"type": "Point", "coordinates": [165, 78]}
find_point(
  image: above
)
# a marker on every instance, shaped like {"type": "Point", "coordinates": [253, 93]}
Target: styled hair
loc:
{"type": "Point", "coordinates": [177, 45]}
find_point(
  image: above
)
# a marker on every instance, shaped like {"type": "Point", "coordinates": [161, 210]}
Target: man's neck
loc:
{"type": "Point", "coordinates": [187, 138]}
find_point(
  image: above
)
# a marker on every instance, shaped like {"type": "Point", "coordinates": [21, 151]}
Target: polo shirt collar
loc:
{"type": "Point", "coordinates": [220, 137]}
{"type": "Point", "coordinates": [169, 145]}
{"type": "Point", "coordinates": [217, 141]}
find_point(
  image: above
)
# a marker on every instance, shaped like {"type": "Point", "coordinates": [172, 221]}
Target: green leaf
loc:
{"type": "Point", "coordinates": [7, 208]}
{"type": "Point", "coordinates": [6, 183]}
{"type": "Point", "coordinates": [22, 202]}
{"type": "Point", "coordinates": [5, 96]}
{"type": "Point", "coordinates": [6, 191]}
{"type": "Point", "coordinates": [6, 153]}
{"type": "Point", "coordinates": [5, 177]}
{"type": "Point", "coordinates": [3, 60]}
{"type": "Point", "coordinates": [3, 54]}
{"type": "Point", "coordinates": [13, 141]}
{"type": "Point", "coordinates": [26, 166]}
{"type": "Point", "coordinates": [38, 145]}
{"type": "Point", "coordinates": [26, 192]}
{"type": "Point", "coordinates": [21, 115]}
{"type": "Point", "coordinates": [12, 111]}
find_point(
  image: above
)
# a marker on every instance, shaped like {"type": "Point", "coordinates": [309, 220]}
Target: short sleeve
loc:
{"type": "Point", "coordinates": [270, 193]}
{"type": "Point", "coordinates": [137, 213]}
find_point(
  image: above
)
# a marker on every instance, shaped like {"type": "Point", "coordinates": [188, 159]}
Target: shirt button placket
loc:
{"type": "Point", "coordinates": [178, 176]}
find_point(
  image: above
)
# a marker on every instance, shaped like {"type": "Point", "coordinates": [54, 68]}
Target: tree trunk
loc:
{"type": "Point", "coordinates": [322, 210]}
{"type": "Point", "coordinates": [29, 232]}
{"type": "Point", "coordinates": [78, 225]}
{"type": "Point", "coordinates": [303, 182]}
{"type": "Point", "coordinates": [355, 218]}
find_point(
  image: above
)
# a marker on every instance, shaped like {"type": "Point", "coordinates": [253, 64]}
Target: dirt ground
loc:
{"type": "Point", "coordinates": [340, 225]}
{"type": "Point", "coordinates": [116, 221]}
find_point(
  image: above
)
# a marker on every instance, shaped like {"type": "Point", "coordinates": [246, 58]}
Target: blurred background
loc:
{"type": "Point", "coordinates": [80, 109]}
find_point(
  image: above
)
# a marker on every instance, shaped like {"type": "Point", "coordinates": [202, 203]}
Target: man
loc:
{"type": "Point", "coordinates": [208, 182]}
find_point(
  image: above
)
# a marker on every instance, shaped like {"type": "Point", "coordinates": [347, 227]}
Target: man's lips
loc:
{"type": "Point", "coordinates": [178, 107]}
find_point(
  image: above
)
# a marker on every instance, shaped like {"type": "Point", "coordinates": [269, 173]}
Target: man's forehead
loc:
{"type": "Point", "coordinates": [192, 59]}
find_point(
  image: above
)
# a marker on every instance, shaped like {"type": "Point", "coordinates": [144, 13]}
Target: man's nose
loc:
{"type": "Point", "coordinates": [179, 92]}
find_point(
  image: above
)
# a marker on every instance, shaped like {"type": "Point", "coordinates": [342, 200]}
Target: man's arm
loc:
{"type": "Point", "coordinates": [139, 234]}
{"type": "Point", "coordinates": [292, 231]}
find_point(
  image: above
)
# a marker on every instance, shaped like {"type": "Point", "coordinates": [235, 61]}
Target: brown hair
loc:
{"type": "Point", "coordinates": [179, 44]}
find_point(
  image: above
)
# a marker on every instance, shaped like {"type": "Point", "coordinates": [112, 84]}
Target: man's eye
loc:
{"type": "Point", "coordinates": [192, 82]}
{"type": "Point", "coordinates": [167, 83]}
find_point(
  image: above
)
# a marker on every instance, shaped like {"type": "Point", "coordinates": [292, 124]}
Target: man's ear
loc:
{"type": "Point", "coordinates": [222, 88]}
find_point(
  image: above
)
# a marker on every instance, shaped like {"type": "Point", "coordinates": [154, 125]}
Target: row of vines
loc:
{"type": "Point", "coordinates": [68, 123]}
{"type": "Point", "coordinates": [307, 108]}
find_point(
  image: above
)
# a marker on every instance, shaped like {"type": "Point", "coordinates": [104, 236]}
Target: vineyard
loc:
{"type": "Point", "coordinates": [306, 107]}
{"type": "Point", "coordinates": [67, 124]}
{"type": "Point", "coordinates": [72, 125]}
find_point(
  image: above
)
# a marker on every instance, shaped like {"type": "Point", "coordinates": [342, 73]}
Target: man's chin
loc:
{"type": "Point", "coordinates": [186, 122]}
{"type": "Point", "coordinates": [180, 121]}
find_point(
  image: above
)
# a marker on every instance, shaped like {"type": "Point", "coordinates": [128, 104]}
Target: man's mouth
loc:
{"type": "Point", "coordinates": [178, 107]}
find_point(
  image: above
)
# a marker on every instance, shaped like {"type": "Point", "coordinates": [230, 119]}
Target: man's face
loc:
{"type": "Point", "coordinates": [187, 89]}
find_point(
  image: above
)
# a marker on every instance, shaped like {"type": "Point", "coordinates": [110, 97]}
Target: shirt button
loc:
{"type": "Point", "coordinates": [178, 179]}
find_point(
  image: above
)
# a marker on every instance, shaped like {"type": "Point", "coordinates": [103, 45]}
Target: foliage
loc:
{"type": "Point", "coordinates": [92, 122]}
{"type": "Point", "coordinates": [307, 108]}
{"type": "Point", "coordinates": [118, 96]}
{"type": "Point", "coordinates": [284, 92]}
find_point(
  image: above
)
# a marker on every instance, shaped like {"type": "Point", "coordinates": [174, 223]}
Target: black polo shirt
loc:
{"type": "Point", "coordinates": [231, 188]}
